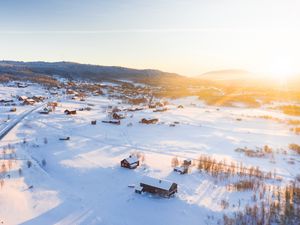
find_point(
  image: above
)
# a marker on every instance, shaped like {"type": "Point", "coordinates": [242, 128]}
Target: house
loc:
{"type": "Point", "coordinates": [117, 116]}
{"type": "Point", "coordinates": [150, 121]}
{"type": "Point", "coordinates": [94, 122]}
{"type": "Point", "coordinates": [13, 109]}
{"type": "Point", "coordinates": [184, 168]}
{"type": "Point", "coordinates": [70, 92]}
{"type": "Point", "coordinates": [160, 109]}
{"type": "Point", "coordinates": [70, 112]}
{"type": "Point", "coordinates": [131, 162]}
{"type": "Point", "coordinates": [6, 101]}
{"type": "Point", "coordinates": [22, 85]}
{"type": "Point", "coordinates": [180, 107]}
{"type": "Point", "coordinates": [22, 98]}
{"type": "Point", "coordinates": [29, 101]}
{"type": "Point", "coordinates": [52, 104]}
{"type": "Point", "coordinates": [181, 169]}
{"type": "Point", "coordinates": [159, 187]}
{"type": "Point", "coordinates": [38, 98]}
{"type": "Point", "coordinates": [117, 122]}
{"type": "Point", "coordinates": [45, 110]}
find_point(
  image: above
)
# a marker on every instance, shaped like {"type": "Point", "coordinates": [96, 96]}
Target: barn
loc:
{"type": "Point", "coordinates": [159, 187]}
{"type": "Point", "coordinates": [131, 162]}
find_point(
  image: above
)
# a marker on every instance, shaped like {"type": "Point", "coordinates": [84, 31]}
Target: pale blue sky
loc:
{"type": "Point", "coordinates": [184, 36]}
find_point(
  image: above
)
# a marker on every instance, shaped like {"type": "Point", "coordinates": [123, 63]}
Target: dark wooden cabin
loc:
{"type": "Point", "coordinates": [150, 121]}
{"type": "Point", "coordinates": [70, 112]}
{"type": "Point", "coordinates": [162, 188]}
{"type": "Point", "coordinates": [131, 162]}
{"type": "Point", "coordinates": [117, 116]}
{"type": "Point", "coordinates": [116, 122]}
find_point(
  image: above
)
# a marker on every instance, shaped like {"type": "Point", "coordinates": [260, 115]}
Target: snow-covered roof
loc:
{"type": "Point", "coordinates": [30, 100]}
{"type": "Point", "coordinates": [162, 184]}
{"type": "Point", "coordinates": [179, 169]}
{"type": "Point", "coordinates": [132, 159]}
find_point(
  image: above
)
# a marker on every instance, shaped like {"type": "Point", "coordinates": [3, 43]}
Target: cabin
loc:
{"type": "Point", "coordinates": [152, 106]}
{"type": "Point", "coordinates": [45, 111]}
{"type": "Point", "coordinates": [116, 122]}
{"type": "Point", "coordinates": [184, 168]}
{"type": "Point", "coordinates": [181, 169]}
{"type": "Point", "coordinates": [22, 98]}
{"type": "Point", "coordinates": [131, 162]}
{"type": "Point", "coordinates": [85, 109]}
{"type": "Point", "coordinates": [70, 112]}
{"type": "Point", "coordinates": [159, 187]}
{"type": "Point", "coordinates": [150, 121]}
{"type": "Point", "coordinates": [29, 101]}
{"type": "Point", "coordinates": [160, 110]}
{"type": "Point", "coordinates": [22, 85]}
{"type": "Point", "coordinates": [94, 122]}
{"type": "Point", "coordinates": [70, 92]}
{"type": "Point", "coordinates": [134, 109]}
{"type": "Point", "coordinates": [38, 98]}
{"type": "Point", "coordinates": [6, 101]}
{"type": "Point", "coordinates": [117, 116]}
{"type": "Point", "coordinates": [52, 104]}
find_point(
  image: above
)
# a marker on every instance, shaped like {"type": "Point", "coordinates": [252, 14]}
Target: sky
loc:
{"type": "Point", "coordinates": [188, 37]}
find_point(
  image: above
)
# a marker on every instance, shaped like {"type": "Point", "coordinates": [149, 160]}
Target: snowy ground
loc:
{"type": "Point", "coordinates": [82, 182]}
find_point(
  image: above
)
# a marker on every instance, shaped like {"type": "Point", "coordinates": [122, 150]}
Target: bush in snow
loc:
{"type": "Point", "coordinates": [174, 162]}
{"type": "Point", "coordinates": [29, 163]}
{"type": "Point", "coordinates": [295, 148]}
{"type": "Point", "coordinates": [44, 162]}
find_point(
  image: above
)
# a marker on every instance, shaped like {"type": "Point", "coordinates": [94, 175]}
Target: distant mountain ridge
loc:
{"type": "Point", "coordinates": [75, 71]}
{"type": "Point", "coordinates": [227, 75]}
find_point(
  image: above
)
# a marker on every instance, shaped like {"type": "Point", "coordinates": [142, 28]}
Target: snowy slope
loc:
{"type": "Point", "coordinates": [83, 183]}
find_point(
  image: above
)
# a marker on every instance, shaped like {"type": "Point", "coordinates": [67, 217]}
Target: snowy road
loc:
{"type": "Point", "coordinates": [16, 120]}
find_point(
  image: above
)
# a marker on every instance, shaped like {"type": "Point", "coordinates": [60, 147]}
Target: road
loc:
{"type": "Point", "coordinates": [11, 124]}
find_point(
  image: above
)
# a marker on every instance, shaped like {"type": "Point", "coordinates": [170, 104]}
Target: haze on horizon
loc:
{"type": "Point", "coordinates": [186, 37]}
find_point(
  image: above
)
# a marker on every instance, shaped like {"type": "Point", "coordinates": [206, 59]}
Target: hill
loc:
{"type": "Point", "coordinates": [76, 71]}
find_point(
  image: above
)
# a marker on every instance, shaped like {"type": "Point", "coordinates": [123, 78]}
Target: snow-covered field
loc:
{"type": "Point", "coordinates": [81, 181]}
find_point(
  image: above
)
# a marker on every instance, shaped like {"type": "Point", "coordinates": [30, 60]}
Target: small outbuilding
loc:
{"type": "Point", "coordinates": [116, 122]}
{"type": "Point", "coordinates": [184, 168]}
{"type": "Point", "coordinates": [149, 121]}
{"type": "Point", "coordinates": [159, 187]}
{"type": "Point", "coordinates": [117, 116]}
{"type": "Point", "coordinates": [131, 162]}
{"type": "Point", "coordinates": [70, 112]}
{"type": "Point", "coordinates": [45, 111]}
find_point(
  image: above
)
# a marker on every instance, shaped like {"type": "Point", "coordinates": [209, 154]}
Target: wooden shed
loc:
{"type": "Point", "coordinates": [159, 187]}
{"type": "Point", "coordinates": [131, 162]}
{"type": "Point", "coordinates": [70, 112]}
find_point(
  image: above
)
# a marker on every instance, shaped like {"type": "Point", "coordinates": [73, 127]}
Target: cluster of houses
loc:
{"type": "Point", "coordinates": [30, 100]}
{"type": "Point", "coordinates": [24, 99]}
{"type": "Point", "coordinates": [152, 185]}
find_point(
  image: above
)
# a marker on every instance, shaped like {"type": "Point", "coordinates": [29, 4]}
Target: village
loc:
{"type": "Point", "coordinates": [115, 145]}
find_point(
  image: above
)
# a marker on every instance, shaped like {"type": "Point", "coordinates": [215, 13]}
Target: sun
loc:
{"type": "Point", "coordinates": [280, 69]}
